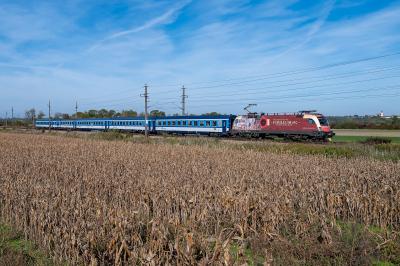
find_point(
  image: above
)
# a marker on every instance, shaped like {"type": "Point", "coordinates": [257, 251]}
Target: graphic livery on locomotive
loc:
{"type": "Point", "coordinates": [304, 125]}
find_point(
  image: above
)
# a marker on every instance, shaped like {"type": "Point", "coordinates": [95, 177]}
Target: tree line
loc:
{"type": "Point", "coordinates": [103, 113]}
{"type": "Point", "coordinates": [394, 123]}
{"type": "Point", "coordinates": [31, 115]}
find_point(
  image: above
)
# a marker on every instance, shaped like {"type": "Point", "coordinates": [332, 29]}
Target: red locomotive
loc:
{"type": "Point", "coordinates": [304, 125]}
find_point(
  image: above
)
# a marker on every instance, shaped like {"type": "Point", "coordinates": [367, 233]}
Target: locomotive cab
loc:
{"type": "Point", "coordinates": [324, 124]}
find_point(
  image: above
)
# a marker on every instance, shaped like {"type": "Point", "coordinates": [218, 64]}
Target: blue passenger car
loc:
{"type": "Point", "coordinates": [213, 125]}
{"type": "Point", "coordinates": [209, 124]}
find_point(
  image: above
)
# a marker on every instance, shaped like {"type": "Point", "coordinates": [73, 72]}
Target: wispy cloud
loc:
{"type": "Point", "coordinates": [147, 25]}
{"type": "Point", "coordinates": [44, 47]}
{"type": "Point", "coordinates": [313, 29]}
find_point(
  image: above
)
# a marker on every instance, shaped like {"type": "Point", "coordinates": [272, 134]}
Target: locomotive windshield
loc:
{"type": "Point", "coordinates": [323, 121]}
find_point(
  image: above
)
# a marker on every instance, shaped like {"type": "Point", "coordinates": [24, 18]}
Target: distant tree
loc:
{"type": "Point", "coordinates": [65, 116]}
{"type": "Point", "coordinates": [82, 115]}
{"type": "Point", "coordinates": [395, 120]}
{"type": "Point", "coordinates": [102, 113]}
{"type": "Point", "coordinates": [111, 113]}
{"type": "Point", "coordinates": [27, 116]}
{"type": "Point", "coordinates": [129, 113]}
{"type": "Point", "coordinates": [118, 114]}
{"type": "Point", "coordinates": [57, 115]}
{"type": "Point", "coordinates": [40, 115]}
{"type": "Point", "coordinates": [175, 114]}
{"type": "Point", "coordinates": [157, 113]}
{"type": "Point", "coordinates": [30, 115]}
{"type": "Point", "coordinates": [92, 113]}
{"type": "Point", "coordinates": [212, 113]}
{"type": "Point", "coordinates": [192, 115]}
{"type": "Point", "coordinates": [142, 114]}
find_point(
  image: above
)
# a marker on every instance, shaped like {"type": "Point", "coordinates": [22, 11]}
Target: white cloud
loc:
{"type": "Point", "coordinates": [147, 25]}
{"type": "Point", "coordinates": [199, 42]}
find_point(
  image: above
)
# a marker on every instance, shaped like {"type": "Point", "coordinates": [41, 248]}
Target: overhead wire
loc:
{"type": "Point", "coordinates": [267, 76]}
{"type": "Point", "coordinates": [284, 85]}
{"type": "Point", "coordinates": [289, 72]}
{"type": "Point", "coordinates": [245, 83]}
{"type": "Point", "coordinates": [315, 100]}
{"type": "Point", "coordinates": [257, 78]}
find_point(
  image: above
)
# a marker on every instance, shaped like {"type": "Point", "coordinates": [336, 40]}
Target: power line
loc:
{"type": "Point", "coordinates": [291, 72]}
{"type": "Point", "coordinates": [318, 99]}
{"type": "Point", "coordinates": [245, 83]}
{"type": "Point", "coordinates": [354, 73]}
{"type": "Point", "coordinates": [319, 94]}
{"type": "Point", "coordinates": [262, 77]}
{"type": "Point", "coordinates": [284, 85]}
{"type": "Point", "coordinates": [265, 77]}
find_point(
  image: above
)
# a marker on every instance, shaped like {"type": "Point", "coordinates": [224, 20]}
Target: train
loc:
{"type": "Point", "coordinates": [302, 125]}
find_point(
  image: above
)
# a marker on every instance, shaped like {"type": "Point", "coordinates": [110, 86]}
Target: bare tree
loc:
{"type": "Point", "coordinates": [40, 115]}
{"type": "Point", "coordinates": [58, 115]}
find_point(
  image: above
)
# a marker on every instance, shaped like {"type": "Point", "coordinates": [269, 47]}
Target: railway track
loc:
{"type": "Point", "coordinates": [235, 139]}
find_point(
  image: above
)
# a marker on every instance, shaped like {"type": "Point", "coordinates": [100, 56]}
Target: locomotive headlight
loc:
{"type": "Point", "coordinates": [319, 128]}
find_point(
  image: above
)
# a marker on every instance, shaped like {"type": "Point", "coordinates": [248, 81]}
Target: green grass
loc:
{"type": "Point", "coordinates": [14, 250]}
{"type": "Point", "coordinates": [360, 138]}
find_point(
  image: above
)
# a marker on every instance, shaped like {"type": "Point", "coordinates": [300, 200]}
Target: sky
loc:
{"type": "Point", "coordinates": [337, 57]}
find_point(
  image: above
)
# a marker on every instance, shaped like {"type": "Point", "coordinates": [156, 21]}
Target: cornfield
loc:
{"type": "Point", "coordinates": [120, 203]}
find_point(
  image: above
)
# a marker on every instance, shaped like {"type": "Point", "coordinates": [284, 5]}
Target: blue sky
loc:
{"type": "Point", "coordinates": [227, 54]}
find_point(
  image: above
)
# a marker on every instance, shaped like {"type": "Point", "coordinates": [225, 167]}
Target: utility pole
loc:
{"type": "Point", "coordinates": [183, 100]}
{"type": "Point", "coordinates": [145, 108]}
{"type": "Point", "coordinates": [33, 117]}
{"type": "Point", "coordinates": [6, 118]}
{"type": "Point", "coordinates": [12, 117]}
{"type": "Point", "coordinates": [76, 118]}
{"type": "Point", "coordinates": [49, 116]}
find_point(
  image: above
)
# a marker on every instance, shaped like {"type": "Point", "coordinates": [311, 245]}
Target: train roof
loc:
{"type": "Point", "coordinates": [205, 117]}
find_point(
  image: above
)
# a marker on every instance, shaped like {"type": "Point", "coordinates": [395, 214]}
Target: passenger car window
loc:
{"type": "Point", "coordinates": [173, 123]}
{"type": "Point", "coordinates": [183, 123]}
{"type": "Point", "coordinates": [214, 123]}
{"type": "Point", "coordinates": [195, 123]}
{"type": "Point", "coordinates": [179, 123]}
{"type": "Point", "coordinates": [202, 123]}
{"type": "Point", "coordinates": [208, 123]}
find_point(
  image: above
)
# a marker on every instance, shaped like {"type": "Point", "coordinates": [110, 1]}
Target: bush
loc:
{"type": "Point", "coordinates": [377, 140]}
{"type": "Point", "coordinates": [353, 125]}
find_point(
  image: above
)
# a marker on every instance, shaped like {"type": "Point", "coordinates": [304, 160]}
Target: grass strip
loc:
{"type": "Point", "coordinates": [14, 250]}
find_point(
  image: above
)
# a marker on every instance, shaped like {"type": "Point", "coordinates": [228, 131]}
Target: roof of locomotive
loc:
{"type": "Point", "coordinates": [276, 114]}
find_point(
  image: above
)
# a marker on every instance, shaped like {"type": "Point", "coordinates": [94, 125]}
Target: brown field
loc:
{"type": "Point", "coordinates": [119, 203]}
{"type": "Point", "coordinates": [367, 133]}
